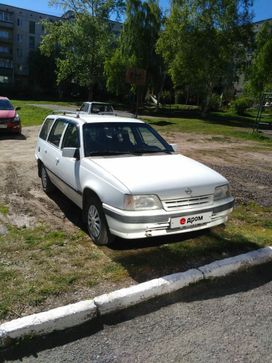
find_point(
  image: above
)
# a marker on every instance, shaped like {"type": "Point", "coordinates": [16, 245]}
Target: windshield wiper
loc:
{"type": "Point", "coordinates": [107, 152]}
{"type": "Point", "coordinates": [151, 151]}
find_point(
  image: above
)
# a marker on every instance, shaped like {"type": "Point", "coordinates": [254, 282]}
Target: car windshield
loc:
{"type": "Point", "coordinates": [6, 105]}
{"type": "Point", "coordinates": [101, 107]}
{"type": "Point", "coordinates": [122, 138]}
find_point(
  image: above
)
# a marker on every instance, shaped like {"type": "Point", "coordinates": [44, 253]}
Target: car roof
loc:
{"type": "Point", "coordinates": [99, 103]}
{"type": "Point", "coordinates": [3, 98]}
{"type": "Point", "coordinates": [86, 118]}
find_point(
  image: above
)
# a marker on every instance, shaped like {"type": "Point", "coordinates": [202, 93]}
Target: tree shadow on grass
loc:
{"type": "Point", "coordinates": [218, 118]}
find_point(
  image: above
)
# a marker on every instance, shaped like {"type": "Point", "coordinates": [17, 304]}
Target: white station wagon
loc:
{"type": "Point", "coordinates": [128, 181]}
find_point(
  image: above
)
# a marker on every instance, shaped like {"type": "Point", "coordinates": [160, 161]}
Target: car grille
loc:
{"type": "Point", "coordinates": [5, 120]}
{"type": "Point", "coordinates": [187, 203]}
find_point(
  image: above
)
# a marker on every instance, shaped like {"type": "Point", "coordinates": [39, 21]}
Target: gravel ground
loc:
{"type": "Point", "coordinates": [248, 184]}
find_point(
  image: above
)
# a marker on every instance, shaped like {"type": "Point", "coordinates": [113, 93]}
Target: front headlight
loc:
{"type": "Point", "coordinates": [221, 192]}
{"type": "Point", "coordinates": [141, 202]}
{"type": "Point", "coordinates": [16, 118]}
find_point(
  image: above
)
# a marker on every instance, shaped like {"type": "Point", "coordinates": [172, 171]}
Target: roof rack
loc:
{"type": "Point", "coordinates": [66, 112]}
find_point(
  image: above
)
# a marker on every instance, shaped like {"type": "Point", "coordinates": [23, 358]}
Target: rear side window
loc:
{"type": "Point", "coordinates": [45, 128]}
{"type": "Point", "coordinates": [56, 132]}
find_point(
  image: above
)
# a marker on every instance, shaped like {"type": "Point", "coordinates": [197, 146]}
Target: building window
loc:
{"type": "Point", "coordinates": [32, 27]}
{"type": "Point", "coordinates": [19, 38]}
{"type": "Point", "coordinates": [4, 34]}
{"type": "Point", "coordinates": [5, 16]}
{"type": "Point", "coordinates": [5, 63]}
{"type": "Point", "coordinates": [4, 49]}
{"type": "Point", "coordinates": [31, 43]}
{"type": "Point", "coordinates": [19, 52]}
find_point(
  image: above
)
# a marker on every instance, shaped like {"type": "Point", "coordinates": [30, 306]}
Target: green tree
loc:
{"type": "Point", "coordinates": [260, 72]}
{"type": "Point", "coordinates": [81, 42]}
{"type": "Point", "coordinates": [204, 44]}
{"type": "Point", "coordinates": [136, 46]}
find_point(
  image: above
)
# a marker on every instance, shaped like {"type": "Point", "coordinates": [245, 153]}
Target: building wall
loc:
{"type": "Point", "coordinates": [20, 33]}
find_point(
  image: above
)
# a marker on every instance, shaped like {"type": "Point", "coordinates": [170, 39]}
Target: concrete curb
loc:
{"type": "Point", "coordinates": [75, 314]}
{"type": "Point", "coordinates": [121, 299]}
{"type": "Point", "coordinates": [46, 322]}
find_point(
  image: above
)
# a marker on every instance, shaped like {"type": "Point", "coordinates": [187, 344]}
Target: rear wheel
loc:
{"type": "Point", "coordinates": [96, 222]}
{"type": "Point", "coordinates": [47, 185]}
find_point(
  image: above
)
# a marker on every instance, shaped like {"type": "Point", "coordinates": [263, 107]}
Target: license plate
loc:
{"type": "Point", "coordinates": [191, 220]}
{"type": "Point", "coordinates": [3, 126]}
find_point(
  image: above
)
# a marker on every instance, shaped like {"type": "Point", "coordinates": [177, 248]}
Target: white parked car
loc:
{"type": "Point", "coordinates": [127, 179]}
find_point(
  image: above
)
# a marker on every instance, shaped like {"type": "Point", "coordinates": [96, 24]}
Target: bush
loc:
{"type": "Point", "coordinates": [241, 104]}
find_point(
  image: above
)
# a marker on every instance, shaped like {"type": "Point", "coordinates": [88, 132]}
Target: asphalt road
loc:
{"type": "Point", "coordinates": [227, 320]}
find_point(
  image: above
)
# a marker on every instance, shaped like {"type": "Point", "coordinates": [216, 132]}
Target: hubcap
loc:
{"type": "Point", "coordinates": [94, 222]}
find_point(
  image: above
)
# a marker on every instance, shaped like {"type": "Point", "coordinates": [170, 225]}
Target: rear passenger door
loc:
{"type": "Point", "coordinates": [69, 166]}
{"type": "Point", "coordinates": [52, 151]}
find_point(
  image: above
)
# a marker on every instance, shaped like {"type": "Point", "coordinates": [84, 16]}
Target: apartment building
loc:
{"type": "Point", "coordinates": [20, 33]}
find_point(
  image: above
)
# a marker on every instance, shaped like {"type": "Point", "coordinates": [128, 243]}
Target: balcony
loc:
{"type": "Point", "coordinates": [6, 24]}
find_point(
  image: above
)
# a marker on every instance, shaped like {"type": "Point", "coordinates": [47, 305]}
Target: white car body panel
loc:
{"type": "Point", "coordinates": [184, 186]}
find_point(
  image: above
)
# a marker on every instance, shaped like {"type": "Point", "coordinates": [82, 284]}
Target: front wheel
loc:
{"type": "Point", "coordinates": [47, 185]}
{"type": "Point", "coordinates": [96, 223]}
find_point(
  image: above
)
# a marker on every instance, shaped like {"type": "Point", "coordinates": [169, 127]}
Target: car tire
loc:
{"type": "Point", "coordinates": [96, 222]}
{"type": "Point", "coordinates": [47, 185]}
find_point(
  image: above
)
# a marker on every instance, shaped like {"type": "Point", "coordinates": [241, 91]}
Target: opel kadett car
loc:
{"type": "Point", "coordinates": [128, 181]}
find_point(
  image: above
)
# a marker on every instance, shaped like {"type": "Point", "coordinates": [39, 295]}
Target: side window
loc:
{"type": "Point", "coordinates": [56, 132]}
{"type": "Point", "coordinates": [71, 137]}
{"type": "Point", "coordinates": [45, 128]}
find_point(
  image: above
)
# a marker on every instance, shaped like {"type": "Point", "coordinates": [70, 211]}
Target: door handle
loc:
{"type": "Point", "coordinates": [57, 160]}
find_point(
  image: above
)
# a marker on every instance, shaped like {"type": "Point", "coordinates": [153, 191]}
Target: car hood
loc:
{"type": "Point", "coordinates": [167, 176]}
{"type": "Point", "coordinates": [7, 113]}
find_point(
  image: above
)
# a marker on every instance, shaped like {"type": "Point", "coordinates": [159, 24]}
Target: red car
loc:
{"type": "Point", "coordinates": [9, 118]}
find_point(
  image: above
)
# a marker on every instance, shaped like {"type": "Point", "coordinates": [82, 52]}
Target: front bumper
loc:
{"type": "Point", "coordinates": [130, 225]}
{"type": "Point", "coordinates": [11, 127]}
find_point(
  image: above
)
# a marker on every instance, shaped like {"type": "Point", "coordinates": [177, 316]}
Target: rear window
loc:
{"type": "Point", "coordinates": [46, 128]}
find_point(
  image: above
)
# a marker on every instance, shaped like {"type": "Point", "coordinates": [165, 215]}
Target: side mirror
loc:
{"type": "Point", "coordinates": [17, 108]}
{"type": "Point", "coordinates": [71, 152]}
{"type": "Point", "coordinates": [174, 147]}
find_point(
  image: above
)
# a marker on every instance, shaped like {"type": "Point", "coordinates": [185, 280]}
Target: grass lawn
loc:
{"type": "Point", "coordinates": [225, 124]}
{"type": "Point", "coordinates": [41, 263]}
{"type": "Point", "coordinates": [33, 115]}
